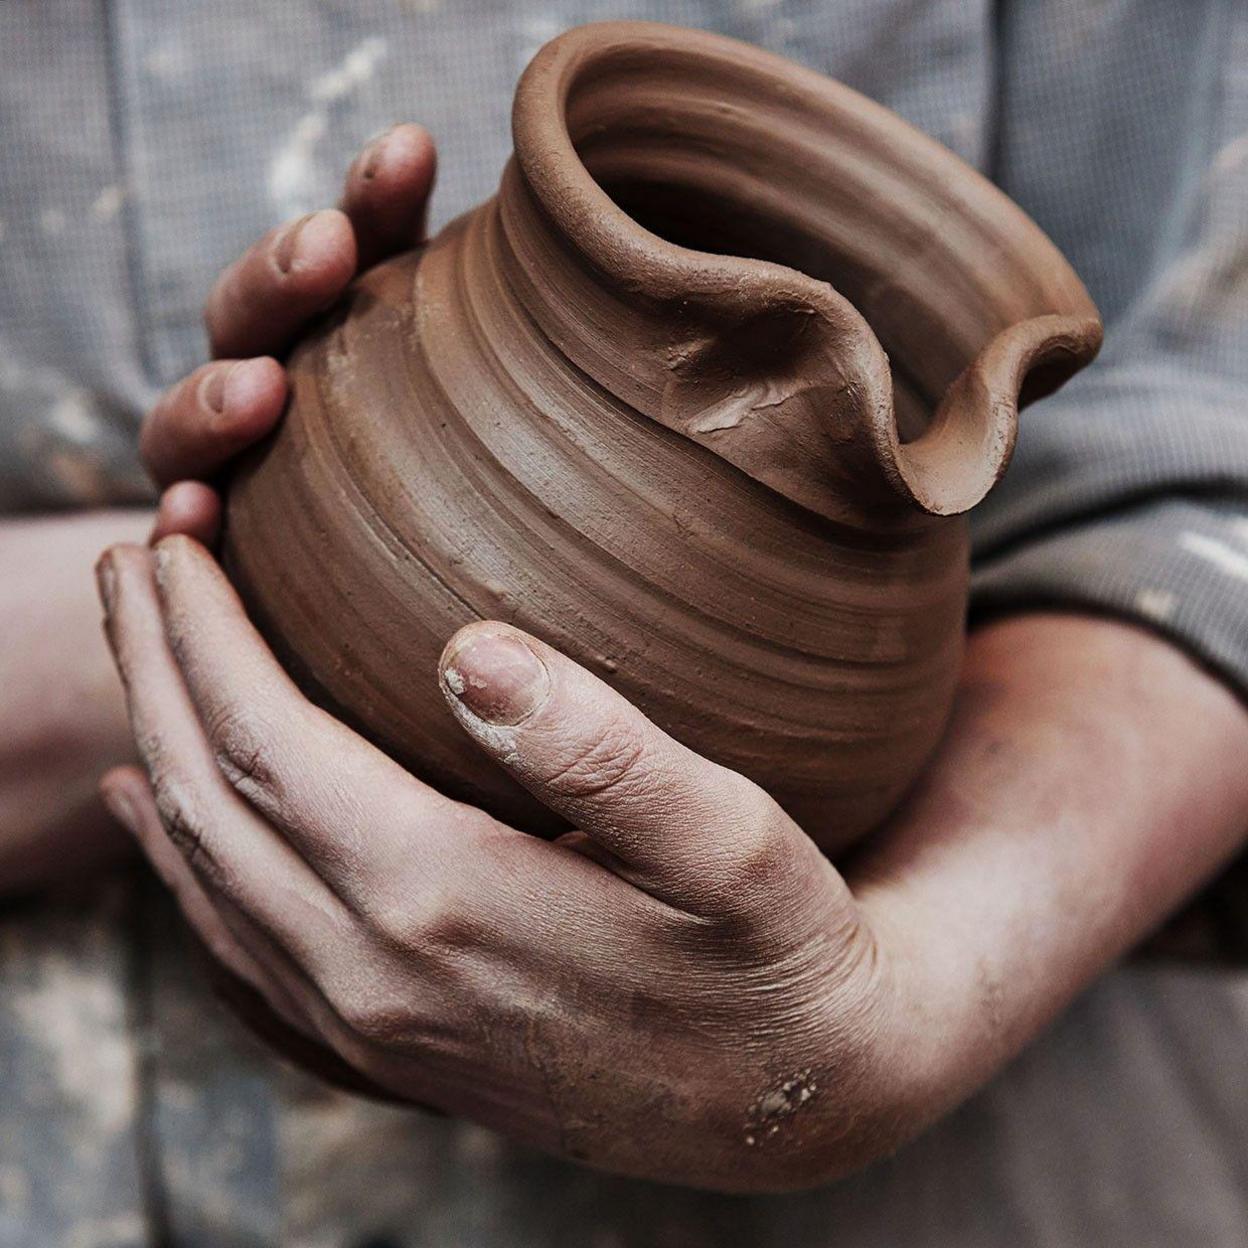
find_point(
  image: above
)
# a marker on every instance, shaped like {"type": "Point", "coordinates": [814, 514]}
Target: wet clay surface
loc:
{"type": "Point", "coordinates": [699, 398]}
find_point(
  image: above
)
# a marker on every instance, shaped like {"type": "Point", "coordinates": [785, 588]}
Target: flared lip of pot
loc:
{"type": "Point", "coordinates": [587, 217]}
{"type": "Point", "coordinates": [647, 267]}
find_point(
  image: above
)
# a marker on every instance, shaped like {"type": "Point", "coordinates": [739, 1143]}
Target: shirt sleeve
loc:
{"type": "Point", "coordinates": [1127, 139]}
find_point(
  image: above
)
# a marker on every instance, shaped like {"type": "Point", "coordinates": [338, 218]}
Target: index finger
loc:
{"type": "Point", "coordinates": [354, 814]}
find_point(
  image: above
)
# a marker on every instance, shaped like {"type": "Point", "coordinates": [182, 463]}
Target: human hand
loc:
{"type": "Point", "coordinates": [256, 310]}
{"type": "Point", "coordinates": [683, 989]}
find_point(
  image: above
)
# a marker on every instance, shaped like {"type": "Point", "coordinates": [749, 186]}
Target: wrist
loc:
{"type": "Point", "coordinates": [851, 1087]}
{"type": "Point", "coordinates": [62, 720]}
{"type": "Point", "coordinates": [1091, 778]}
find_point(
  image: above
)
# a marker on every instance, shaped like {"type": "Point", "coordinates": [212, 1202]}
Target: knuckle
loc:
{"type": "Point", "coordinates": [242, 747]}
{"type": "Point", "coordinates": [758, 864]}
{"type": "Point", "coordinates": [185, 821]}
{"type": "Point", "coordinates": [397, 925]}
{"type": "Point", "coordinates": [429, 932]}
{"type": "Point", "coordinates": [383, 1001]}
{"type": "Point", "coordinates": [370, 1013]}
{"type": "Point", "coordinates": [611, 763]}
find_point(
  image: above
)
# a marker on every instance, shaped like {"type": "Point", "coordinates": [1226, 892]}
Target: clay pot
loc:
{"type": "Point", "coordinates": [699, 398]}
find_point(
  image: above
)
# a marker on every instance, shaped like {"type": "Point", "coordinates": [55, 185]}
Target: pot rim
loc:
{"type": "Point", "coordinates": [1059, 333]}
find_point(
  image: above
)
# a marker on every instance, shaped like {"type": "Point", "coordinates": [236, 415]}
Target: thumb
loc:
{"type": "Point", "coordinates": [697, 835]}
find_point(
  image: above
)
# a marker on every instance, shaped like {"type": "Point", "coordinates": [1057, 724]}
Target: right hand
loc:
{"type": "Point", "coordinates": [257, 309]}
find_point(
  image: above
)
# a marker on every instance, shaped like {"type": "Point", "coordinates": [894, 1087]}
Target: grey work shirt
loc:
{"type": "Point", "coordinates": [142, 143]}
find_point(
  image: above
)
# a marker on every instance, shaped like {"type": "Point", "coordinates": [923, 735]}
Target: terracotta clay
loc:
{"type": "Point", "coordinates": [699, 398]}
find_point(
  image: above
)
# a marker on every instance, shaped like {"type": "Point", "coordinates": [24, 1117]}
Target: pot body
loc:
{"type": "Point", "coordinates": [442, 463]}
{"type": "Point", "coordinates": [681, 468]}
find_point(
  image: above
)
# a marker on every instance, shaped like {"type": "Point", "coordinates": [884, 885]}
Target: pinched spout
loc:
{"type": "Point", "coordinates": [966, 448]}
{"type": "Point", "coordinates": [781, 270]}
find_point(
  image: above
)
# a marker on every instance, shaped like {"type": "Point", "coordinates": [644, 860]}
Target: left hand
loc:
{"type": "Point", "coordinates": [259, 306]}
{"type": "Point", "coordinates": [682, 989]}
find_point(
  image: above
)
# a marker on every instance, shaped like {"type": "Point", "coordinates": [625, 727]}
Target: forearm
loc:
{"type": "Point", "coordinates": [62, 716]}
{"type": "Point", "coordinates": [1093, 778]}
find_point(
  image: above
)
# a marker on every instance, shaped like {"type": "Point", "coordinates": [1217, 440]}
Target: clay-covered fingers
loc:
{"type": "Point", "coordinates": [262, 302]}
{"type": "Point", "coordinates": [207, 418]}
{"type": "Point", "coordinates": [362, 822]}
{"type": "Point", "coordinates": [387, 191]}
{"type": "Point", "coordinates": [266, 297]}
{"type": "Point", "coordinates": [268, 294]}
{"type": "Point", "coordinates": [128, 795]}
{"type": "Point", "coordinates": [234, 853]}
{"type": "Point", "coordinates": [694, 834]}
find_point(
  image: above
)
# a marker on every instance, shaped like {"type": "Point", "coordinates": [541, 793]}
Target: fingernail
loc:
{"type": "Point", "coordinates": [284, 245]}
{"type": "Point", "coordinates": [106, 580]}
{"type": "Point", "coordinates": [238, 395]}
{"type": "Point", "coordinates": [373, 153]}
{"type": "Point", "coordinates": [212, 390]}
{"type": "Point", "coordinates": [121, 808]}
{"type": "Point", "coordinates": [496, 677]}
